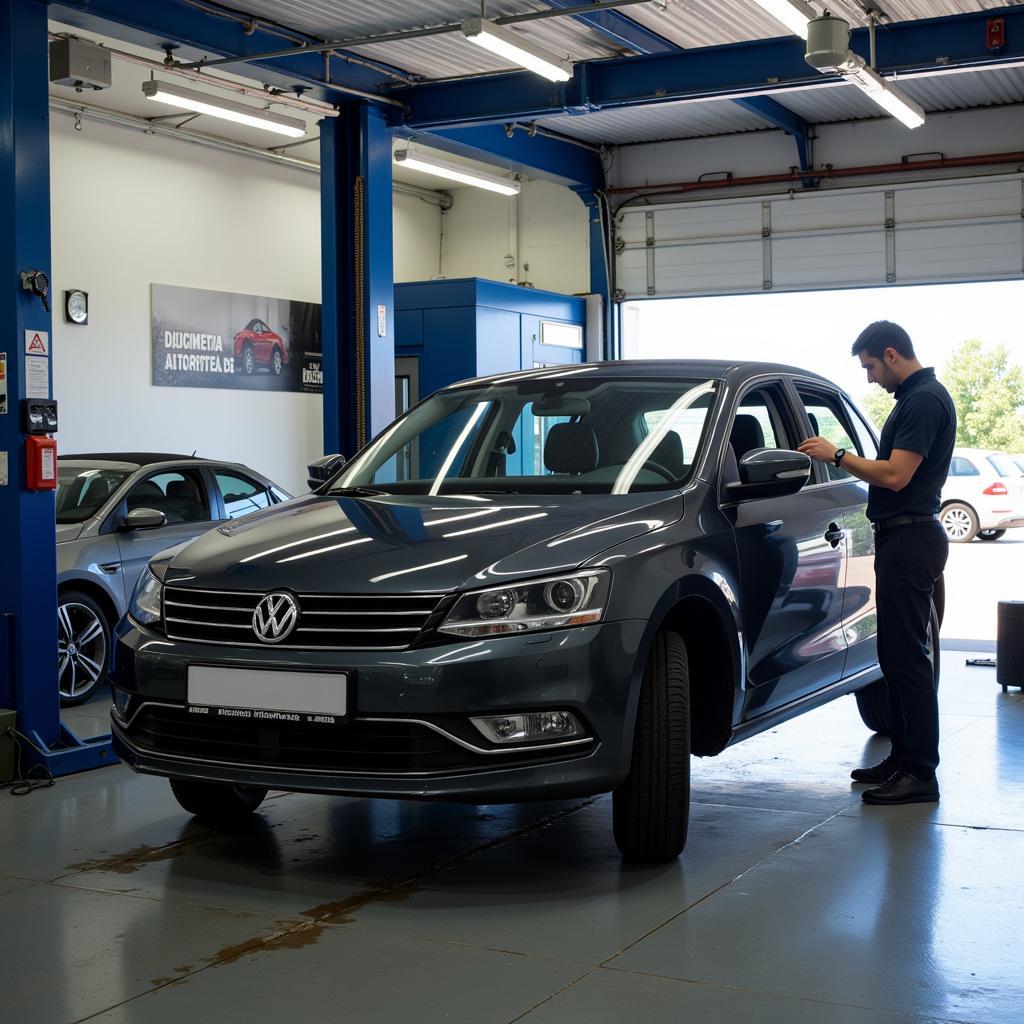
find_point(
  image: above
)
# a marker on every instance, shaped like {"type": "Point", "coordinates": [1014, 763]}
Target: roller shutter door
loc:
{"type": "Point", "coordinates": [914, 233]}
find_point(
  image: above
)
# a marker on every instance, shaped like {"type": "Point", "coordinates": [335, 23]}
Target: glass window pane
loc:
{"type": "Point", "coordinates": [241, 495]}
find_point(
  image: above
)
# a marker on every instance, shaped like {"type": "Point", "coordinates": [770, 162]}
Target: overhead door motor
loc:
{"type": "Point", "coordinates": [79, 63]}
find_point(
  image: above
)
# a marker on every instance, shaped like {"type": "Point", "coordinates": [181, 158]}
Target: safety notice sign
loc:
{"type": "Point", "coordinates": [37, 343]}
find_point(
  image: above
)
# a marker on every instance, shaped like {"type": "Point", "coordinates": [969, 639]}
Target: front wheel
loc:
{"type": "Point", "coordinates": [960, 522]}
{"type": "Point", "coordinates": [217, 803]}
{"type": "Point", "coordinates": [276, 362]}
{"type": "Point", "coordinates": [651, 806]}
{"type": "Point", "coordinates": [873, 700]}
{"type": "Point", "coordinates": [248, 360]}
{"type": "Point", "coordinates": [83, 647]}
{"type": "Point", "coordinates": [990, 534]}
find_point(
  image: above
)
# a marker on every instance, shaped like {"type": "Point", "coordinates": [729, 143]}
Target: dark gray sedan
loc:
{"type": "Point", "coordinates": [114, 512]}
{"type": "Point", "coordinates": [536, 585]}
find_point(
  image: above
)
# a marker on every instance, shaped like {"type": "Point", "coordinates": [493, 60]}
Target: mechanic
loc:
{"type": "Point", "coordinates": [911, 548]}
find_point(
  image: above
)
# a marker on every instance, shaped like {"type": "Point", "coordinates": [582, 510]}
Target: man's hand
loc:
{"type": "Point", "coordinates": [820, 449]}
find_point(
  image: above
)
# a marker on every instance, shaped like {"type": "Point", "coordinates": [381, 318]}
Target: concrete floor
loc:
{"type": "Point", "coordinates": [793, 902]}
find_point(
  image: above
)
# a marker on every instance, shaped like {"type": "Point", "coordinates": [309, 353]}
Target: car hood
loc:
{"type": "Point", "coordinates": [415, 543]}
{"type": "Point", "coordinates": [69, 531]}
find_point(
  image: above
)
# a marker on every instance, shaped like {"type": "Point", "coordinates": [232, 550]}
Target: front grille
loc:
{"type": "Point", "coordinates": [326, 621]}
{"type": "Point", "coordinates": [362, 747]}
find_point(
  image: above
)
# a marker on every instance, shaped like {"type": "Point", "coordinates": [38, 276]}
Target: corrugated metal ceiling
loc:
{"type": "Point", "coordinates": [686, 23]}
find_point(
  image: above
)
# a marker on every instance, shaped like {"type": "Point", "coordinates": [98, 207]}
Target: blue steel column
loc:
{"type": "Point", "coordinates": [599, 239]}
{"type": "Point", "coordinates": [28, 561]}
{"type": "Point", "coordinates": [355, 171]}
{"type": "Point", "coordinates": [28, 558]}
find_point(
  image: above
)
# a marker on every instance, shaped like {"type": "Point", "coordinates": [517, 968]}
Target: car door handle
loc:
{"type": "Point", "coordinates": [834, 535]}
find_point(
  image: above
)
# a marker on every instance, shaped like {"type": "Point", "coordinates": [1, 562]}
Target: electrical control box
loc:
{"type": "Point", "coordinates": [7, 749]}
{"type": "Point", "coordinates": [79, 63]}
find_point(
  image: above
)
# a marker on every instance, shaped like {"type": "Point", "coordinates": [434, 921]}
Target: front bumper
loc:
{"type": "Point", "coordinates": [408, 732]}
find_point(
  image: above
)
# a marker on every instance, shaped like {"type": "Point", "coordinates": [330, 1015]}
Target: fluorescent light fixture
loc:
{"type": "Point", "coordinates": [229, 110]}
{"type": "Point", "coordinates": [794, 14]}
{"type": "Point", "coordinates": [885, 94]}
{"type": "Point", "coordinates": [517, 50]}
{"type": "Point", "coordinates": [453, 172]}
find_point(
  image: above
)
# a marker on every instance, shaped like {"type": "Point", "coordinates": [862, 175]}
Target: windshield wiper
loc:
{"type": "Point", "coordinates": [356, 492]}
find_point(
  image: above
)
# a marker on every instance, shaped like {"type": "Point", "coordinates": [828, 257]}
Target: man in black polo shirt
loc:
{"type": "Point", "coordinates": [910, 552]}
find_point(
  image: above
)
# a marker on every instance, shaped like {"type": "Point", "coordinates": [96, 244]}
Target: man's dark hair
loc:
{"type": "Point", "coordinates": [883, 334]}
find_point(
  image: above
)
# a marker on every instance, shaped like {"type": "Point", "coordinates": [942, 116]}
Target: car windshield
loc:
{"type": "Point", "coordinates": [82, 491]}
{"type": "Point", "coordinates": [554, 431]}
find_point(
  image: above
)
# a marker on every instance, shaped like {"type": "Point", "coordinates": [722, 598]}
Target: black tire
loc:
{"type": "Point", "coordinates": [276, 362]}
{"type": "Point", "coordinates": [873, 700]}
{"type": "Point", "coordinates": [248, 359]}
{"type": "Point", "coordinates": [651, 806]}
{"type": "Point", "coordinates": [960, 522]}
{"type": "Point", "coordinates": [990, 534]}
{"type": "Point", "coordinates": [217, 803]}
{"type": "Point", "coordinates": [83, 647]}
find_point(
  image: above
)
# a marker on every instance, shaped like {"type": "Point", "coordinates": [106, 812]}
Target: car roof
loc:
{"type": "Point", "coordinates": [718, 369]}
{"type": "Point", "coordinates": [132, 458]}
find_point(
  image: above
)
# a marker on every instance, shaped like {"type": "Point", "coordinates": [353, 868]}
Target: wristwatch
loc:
{"type": "Point", "coordinates": [840, 452]}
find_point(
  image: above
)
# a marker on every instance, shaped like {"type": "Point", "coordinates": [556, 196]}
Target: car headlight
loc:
{"type": "Point", "coordinates": [145, 603]}
{"type": "Point", "coordinates": [578, 599]}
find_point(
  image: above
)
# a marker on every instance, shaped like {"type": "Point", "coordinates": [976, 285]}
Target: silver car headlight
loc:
{"type": "Point", "coordinates": [144, 607]}
{"type": "Point", "coordinates": [577, 599]}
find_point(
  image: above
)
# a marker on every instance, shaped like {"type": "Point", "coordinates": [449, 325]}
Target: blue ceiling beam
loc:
{"type": "Point", "coordinates": [624, 31]}
{"type": "Point", "coordinates": [756, 68]}
{"type": "Point", "coordinates": [565, 163]}
{"type": "Point", "coordinates": [620, 29]}
{"type": "Point", "coordinates": [197, 33]}
{"type": "Point", "coordinates": [782, 117]}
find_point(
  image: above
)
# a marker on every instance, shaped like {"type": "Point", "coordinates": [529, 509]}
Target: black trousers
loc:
{"type": "Point", "coordinates": [909, 561]}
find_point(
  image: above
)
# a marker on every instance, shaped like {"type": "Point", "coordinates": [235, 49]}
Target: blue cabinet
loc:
{"type": "Point", "coordinates": [471, 327]}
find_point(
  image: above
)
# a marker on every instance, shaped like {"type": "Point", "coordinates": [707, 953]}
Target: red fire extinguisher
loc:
{"type": "Point", "coordinates": [41, 462]}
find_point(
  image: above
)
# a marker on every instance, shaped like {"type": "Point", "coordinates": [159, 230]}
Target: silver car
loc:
{"type": "Point", "coordinates": [114, 512]}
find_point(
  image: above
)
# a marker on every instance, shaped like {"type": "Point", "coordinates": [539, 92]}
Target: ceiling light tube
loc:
{"type": "Point", "coordinates": [794, 14]}
{"type": "Point", "coordinates": [454, 172]}
{"type": "Point", "coordinates": [229, 110]}
{"type": "Point", "coordinates": [514, 48]}
{"type": "Point", "coordinates": [888, 96]}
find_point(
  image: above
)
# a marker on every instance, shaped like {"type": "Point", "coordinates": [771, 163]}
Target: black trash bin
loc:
{"type": "Point", "coordinates": [1010, 644]}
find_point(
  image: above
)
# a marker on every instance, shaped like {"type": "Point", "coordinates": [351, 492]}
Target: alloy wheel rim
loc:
{"type": "Point", "coordinates": [81, 649]}
{"type": "Point", "coordinates": [957, 523]}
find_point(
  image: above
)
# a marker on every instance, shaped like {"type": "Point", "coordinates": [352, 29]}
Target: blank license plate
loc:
{"type": "Point", "coordinates": [267, 695]}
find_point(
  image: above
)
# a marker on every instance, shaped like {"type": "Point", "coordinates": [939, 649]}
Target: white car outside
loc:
{"type": "Point", "coordinates": [983, 495]}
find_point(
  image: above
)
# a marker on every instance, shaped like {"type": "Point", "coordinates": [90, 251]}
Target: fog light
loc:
{"type": "Point", "coordinates": [538, 725]}
{"type": "Point", "coordinates": [121, 702]}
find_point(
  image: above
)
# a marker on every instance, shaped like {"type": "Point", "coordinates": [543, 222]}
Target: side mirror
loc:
{"type": "Point", "coordinates": [770, 473]}
{"type": "Point", "coordinates": [144, 519]}
{"type": "Point", "coordinates": [319, 471]}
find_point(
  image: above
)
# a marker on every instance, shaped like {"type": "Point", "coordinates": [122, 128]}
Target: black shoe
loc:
{"type": "Point", "coordinates": [878, 773]}
{"type": "Point", "coordinates": [903, 788]}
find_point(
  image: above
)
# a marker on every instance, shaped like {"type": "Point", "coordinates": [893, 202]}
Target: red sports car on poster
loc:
{"type": "Point", "coordinates": [257, 345]}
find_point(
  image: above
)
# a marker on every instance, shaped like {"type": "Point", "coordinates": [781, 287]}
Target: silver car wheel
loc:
{"type": "Point", "coordinates": [957, 523]}
{"type": "Point", "coordinates": [81, 649]}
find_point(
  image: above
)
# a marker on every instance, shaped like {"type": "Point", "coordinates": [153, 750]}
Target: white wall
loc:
{"type": "Point", "coordinates": [547, 238]}
{"type": "Point", "coordinates": [129, 210]}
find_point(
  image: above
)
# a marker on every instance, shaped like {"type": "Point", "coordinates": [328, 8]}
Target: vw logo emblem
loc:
{"type": "Point", "coordinates": [275, 617]}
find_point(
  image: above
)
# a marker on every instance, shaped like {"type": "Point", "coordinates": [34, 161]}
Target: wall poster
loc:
{"type": "Point", "coordinates": [206, 339]}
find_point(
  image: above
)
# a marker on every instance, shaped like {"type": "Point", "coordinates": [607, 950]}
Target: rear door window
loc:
{"type": "Point", "coordinates": [241, 495]}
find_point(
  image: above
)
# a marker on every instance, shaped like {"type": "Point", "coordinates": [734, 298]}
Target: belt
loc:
{"type": "Point", "coordinates": [887, 524]}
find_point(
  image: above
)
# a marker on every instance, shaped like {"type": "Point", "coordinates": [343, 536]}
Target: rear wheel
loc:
{"type": "Point", "coordinates": [217, 802]}
{"type": "Point", "coordinates": [651, 806]}
{"type": "Point", "coordinates": [990, 534]}
{"type": "Point", "coordinates": [960, 522]}
{"type": "Point", "coordinates": [873, 700]}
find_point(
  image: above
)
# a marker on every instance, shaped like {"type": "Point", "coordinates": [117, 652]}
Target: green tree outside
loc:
{"type": "Point", "coordinates": [988, 390]}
